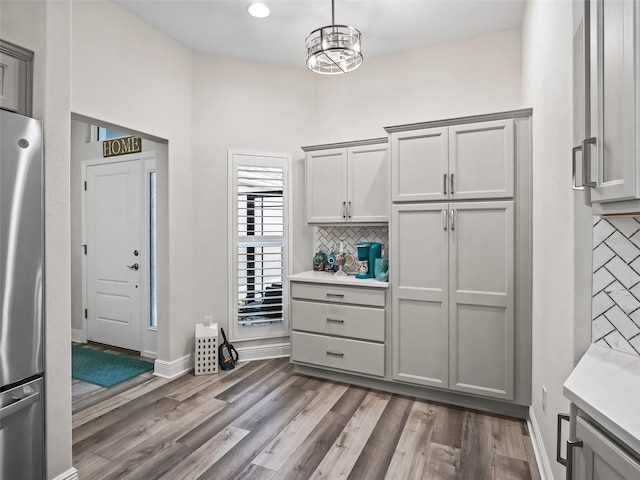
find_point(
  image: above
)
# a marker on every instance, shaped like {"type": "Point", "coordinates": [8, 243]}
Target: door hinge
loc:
{"type": "Point", "coordinates": [85, 249]}
{"type": "Point", "coordinates": [85, 186]}
{"type": "Point", "coordinates": [86, 313]}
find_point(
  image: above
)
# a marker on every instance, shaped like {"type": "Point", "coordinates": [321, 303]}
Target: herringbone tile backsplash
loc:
{"type": "Point", "coordinates": [616, 283]}
{"type": "Point", "coordinates": [327, 238]}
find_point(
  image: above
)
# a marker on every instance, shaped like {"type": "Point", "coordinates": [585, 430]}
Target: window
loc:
{"type": "Point", "coordinates": [106, 134]}
{"type": "Point", "coordinates": [153, 275]}
{"type": "Point", "coordinates": [259, 210]}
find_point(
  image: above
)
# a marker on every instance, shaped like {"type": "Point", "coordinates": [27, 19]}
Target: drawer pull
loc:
{"type": "Point", "coordinates": [335, 354]}
{"type": "Point", "coordinates": [337, 295]}
{"type": "Point", "coordinates": [334, 320]}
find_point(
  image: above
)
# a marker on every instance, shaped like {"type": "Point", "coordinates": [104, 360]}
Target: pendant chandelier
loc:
{"type": "Point", "coordinates": [334, 49]}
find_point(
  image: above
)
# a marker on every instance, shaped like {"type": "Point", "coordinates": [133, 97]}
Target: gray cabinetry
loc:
{"type": "Point", "coordinates": [481, 298]}
{"type": "Point", "coordinates": [420, 293]}
{"type": "Point", "coordinates": [16, 73]}
{"type": "Point", "coordinates": [460, 319]}
{"type": "Point", "coordinates": [604, 430]}
{"type": "Point", "coordinates": [606, 161]}
{"type": "Point", "coordinates": [347, 183]}
{"type": "Point", "coordinates": [458, 325]}
{"type": "Point", "coordinates": [458, 162]}
{"type": "Point", "coordinates": [338, 327]}
{"type": "Point", "coordinates": [597, 455]}
{"type": "Point", "coordinates": [326, 192]}
{"type": "Point", "coordinates": [453, 296]}
{"type": "Point", "coordinates": [419, 164]}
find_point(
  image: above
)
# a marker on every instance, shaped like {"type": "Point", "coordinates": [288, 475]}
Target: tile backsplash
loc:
{"type": "Point", "coordinates": [327, 238]}
{"type": "Point", "coordinates": [616, 283]}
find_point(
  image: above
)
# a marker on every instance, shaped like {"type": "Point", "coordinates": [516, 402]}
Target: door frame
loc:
{"type": "Point", "coordinates": [148, 334]}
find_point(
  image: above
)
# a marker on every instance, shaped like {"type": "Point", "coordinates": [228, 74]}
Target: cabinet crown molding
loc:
{"type": "Point", "coordinates": [355, 143]}
{"type": "Point", "coordinates": [526, 112]}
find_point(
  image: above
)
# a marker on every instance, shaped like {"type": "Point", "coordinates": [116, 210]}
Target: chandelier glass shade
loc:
{"type": "Point", "coordinates": [334, 49]}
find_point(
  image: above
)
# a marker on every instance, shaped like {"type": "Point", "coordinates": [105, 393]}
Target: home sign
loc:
{"type": "Point", "coordinates": [121, 146]}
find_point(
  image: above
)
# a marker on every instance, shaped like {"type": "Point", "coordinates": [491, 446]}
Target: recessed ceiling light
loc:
{"type": "Point", "coordinates": [258, 10]}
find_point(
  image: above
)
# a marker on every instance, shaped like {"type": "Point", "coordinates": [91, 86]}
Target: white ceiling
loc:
{"type": "Point", "coordinates": [388, 26]}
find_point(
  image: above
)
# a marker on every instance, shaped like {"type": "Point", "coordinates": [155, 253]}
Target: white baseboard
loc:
{"type": "Point", "coordinates": [71, 474]}
{"type": "Point", "coordinates": [184, 364]}
{"type": "Point", "coordinates": [264, 352]}
{"type": "Point", "coordinates": [174, 368]}
{"type": "Point", "coordinates": [78, 336]}
{"type": "Point", "coordinates": [542, 459]}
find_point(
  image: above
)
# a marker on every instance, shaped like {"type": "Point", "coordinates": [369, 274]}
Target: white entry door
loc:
{"type": "Point", "coordinates": [113, 236]}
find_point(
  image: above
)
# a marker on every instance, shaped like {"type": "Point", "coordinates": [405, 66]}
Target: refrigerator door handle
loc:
{"type": "Point", "coordinates": [20, 404]}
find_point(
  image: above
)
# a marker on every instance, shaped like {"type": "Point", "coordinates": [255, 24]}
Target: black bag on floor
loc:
{"type": "Point", "coordinates": [227, 355]}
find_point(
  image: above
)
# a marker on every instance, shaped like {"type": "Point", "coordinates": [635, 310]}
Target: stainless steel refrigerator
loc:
{"type": "Point", "coordinates": [21, 298]}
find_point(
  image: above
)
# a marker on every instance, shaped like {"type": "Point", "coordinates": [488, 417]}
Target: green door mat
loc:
{"type": "Point", "coordinates": [104, 369]}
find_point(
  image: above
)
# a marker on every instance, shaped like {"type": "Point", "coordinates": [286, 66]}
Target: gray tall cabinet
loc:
{"type": "Point", "coordinates": [460, 255]}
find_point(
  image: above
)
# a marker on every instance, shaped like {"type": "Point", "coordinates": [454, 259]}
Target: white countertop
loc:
{"type": "Point", "coordinates": [606, 386]}
{"type": "Point", "coordinates": [333, 279]}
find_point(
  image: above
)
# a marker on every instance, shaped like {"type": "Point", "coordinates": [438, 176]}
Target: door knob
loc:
{"type": "Point", "coordinates": [135, 266]}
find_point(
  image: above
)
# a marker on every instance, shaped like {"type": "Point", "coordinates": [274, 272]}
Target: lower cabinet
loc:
{"type": "Point", "coordinates": [453, 296]}
{"type": "Point", "coordinates": [597, 456]}
{"type": "Point", "coordinates": [337, 327]}
{"type": "Point", "coordinates": [341, 353]}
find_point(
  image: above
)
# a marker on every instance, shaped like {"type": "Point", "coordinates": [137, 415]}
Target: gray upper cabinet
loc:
{"type": "Point", "coordinates": [419, 165]}
{"type": "Point", "coordinates": [481, 160]}
{"type": "Point", "coordinates": [458, 162]}
{"type": "Point", "coordinates": [606, 161]}
{"type": "Point", "coordinates": [348, 183]}
{"type": "Point", "coordinates": [326, 191]}
{"type": "Point", "coordinates": [16, 74]}
{"type": "Point", "coordinates": [599, 457]}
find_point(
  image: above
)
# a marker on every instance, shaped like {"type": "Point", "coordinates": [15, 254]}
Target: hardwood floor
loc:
{"type": "Point", "coordinates": [261, 421]}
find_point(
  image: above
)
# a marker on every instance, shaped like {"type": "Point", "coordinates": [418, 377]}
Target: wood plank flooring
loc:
{"type": "Point", "coordinates": [261, 421]}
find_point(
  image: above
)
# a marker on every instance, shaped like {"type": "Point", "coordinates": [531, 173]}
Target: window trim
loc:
{"type": "Point", "coordinates": [252, 158]}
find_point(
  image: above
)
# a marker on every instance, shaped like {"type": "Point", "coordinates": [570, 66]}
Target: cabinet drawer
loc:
{"type": "Point", "coordinates": [340, 353]}
{"type": "Point", "coordinates": [330, 293]}
{"type": "Point", "coordinates": [365, 323]}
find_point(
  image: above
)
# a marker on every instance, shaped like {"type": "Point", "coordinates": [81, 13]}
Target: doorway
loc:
{"type": "Point", "coordinates": [117, 204]}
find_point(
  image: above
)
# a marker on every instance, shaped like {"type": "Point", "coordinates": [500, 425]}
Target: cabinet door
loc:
{"type": "Point", "coordinates": [481, 160]}
{"type": "Point", "coordinates": [368, 175]}
{"type": "Point", "coordinates": [419, 165]}
{"type": "Point", "coordinates": [600, 458]}
{"type": "Point", "coordinates": [326, 179]}
{"type": "Point", "coordinates": [481, 292]}
{"type": "Point", "coordinates": [419, 259]}
{"type": "Point", "coordinates": [9, 82]}
{"type": "Point", "coordinates": [612, 100]}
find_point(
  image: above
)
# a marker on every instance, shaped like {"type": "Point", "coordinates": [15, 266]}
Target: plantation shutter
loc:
{"type": "Point", "coordinates": [260, 231]}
